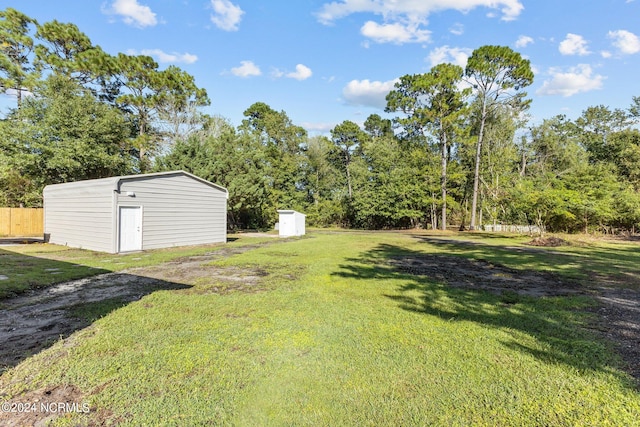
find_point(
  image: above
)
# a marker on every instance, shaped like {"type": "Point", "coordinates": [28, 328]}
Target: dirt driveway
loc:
{"type": "Point", "coordinates": [35, 320]}
{"type": "Point", "coordinates": [618, 314]}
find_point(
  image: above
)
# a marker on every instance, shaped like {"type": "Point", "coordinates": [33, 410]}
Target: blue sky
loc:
{"type": "Point", "coordinates": [324, 62]}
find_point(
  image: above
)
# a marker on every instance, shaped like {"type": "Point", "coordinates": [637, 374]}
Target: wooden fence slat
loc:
{"type": "Point", "coordinates": [5, 221]}
{"type": "Point", "coordinates": [21, 222]}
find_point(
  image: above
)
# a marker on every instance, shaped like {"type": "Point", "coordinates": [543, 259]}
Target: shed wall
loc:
{"type": "Point", "coordinates": [80, 215]}
{"type": "Point", "coordinates": [177, 210]}
{"type": "Point", "coordinates": [300, 223]}
{"type": "Point", "coordinates": [292, 223]}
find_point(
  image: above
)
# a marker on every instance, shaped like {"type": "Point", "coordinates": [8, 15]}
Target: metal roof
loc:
{"type": "Point", "coordinates": [116, 180]}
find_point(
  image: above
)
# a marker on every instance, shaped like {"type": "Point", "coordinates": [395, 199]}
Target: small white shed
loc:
{"type": "Point", "coordinates": [136, 212]}
{"type": "Point", "coordinates": [291, 223]}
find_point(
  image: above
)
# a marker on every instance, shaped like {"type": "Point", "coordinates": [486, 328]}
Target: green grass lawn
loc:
{"type": "Point", "coordinates": [335, 335]}
{"type": "Point", "coordinates": [40, 265]}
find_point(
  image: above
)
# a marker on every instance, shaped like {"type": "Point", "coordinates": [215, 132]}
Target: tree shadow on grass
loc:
{"type": "Point", "coordinates": [52, 299]}
{"type": "Point", "coordinates": [604, 263]}
{"type": "Point", "coordinates": [541, 305]}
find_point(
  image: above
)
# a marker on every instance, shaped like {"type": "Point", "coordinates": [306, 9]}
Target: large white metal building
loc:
{"type": "Point", "coordinates": [136, 212]}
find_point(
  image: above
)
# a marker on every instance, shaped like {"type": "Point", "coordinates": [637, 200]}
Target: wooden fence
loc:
{"type": "Point", "coordinates": [21, 222]}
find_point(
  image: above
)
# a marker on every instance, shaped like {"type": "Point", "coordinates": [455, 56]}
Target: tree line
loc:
{"type": "Point", "coordinates": [459, 151]}
{"type": "Point", "coordinates": [82, 113]}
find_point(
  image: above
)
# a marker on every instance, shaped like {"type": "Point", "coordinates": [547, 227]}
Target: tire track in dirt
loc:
{"type": "Point", "coordinates": [617, 314]}
{"type": "Point", "coordinates": [36, 319]}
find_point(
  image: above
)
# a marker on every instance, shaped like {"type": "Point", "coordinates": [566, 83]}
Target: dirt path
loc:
{"type": "Point", "coordinates": [35, 320]}
{"type": "Point", "coordinates": [482, 275]}
{"type": "Point", "coordinates": [619, 321]}
{"type": "Point", "coordinates": [618, 312]}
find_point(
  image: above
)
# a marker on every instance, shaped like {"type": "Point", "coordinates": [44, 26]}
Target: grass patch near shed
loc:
{"type": "Point", "coordinates": [37, 266]}
{"type": "Point", "coordinates": [92, 311]}
{"type": "Point", "coordinates": [344, 333]}
{"type": "Point", "coordinates": [23, 272]}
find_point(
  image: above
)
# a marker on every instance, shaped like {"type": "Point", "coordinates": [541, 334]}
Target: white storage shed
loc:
{"type": "Point", "coordinates": [291, 223]}
{"type": "Point", "coordinates": [136, 212]}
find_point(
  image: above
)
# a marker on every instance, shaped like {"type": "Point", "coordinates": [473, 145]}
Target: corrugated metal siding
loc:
{"type": "Point", "coordinates": [80, 215]}
{"type": "Point", "coordinates": [177, 210]}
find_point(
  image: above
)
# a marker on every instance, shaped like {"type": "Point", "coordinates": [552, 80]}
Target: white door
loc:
{"type": "Point", "coordinates": [287, 227]}
{"type": "Point", "coordinates": [130, 228]}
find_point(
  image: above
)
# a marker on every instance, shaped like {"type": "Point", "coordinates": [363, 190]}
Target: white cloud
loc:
{"type": "Point", "coordinates": [302, 72]}
{"type": "Point", "coordinates": [133, 13]}
{"type": "Point", "coordinates": [162, 56]}
{"type": "Point", "coordinates": [367, 93]}
{"type": "Point", "coordinates": [574, 44]}
{"type": "Point", "coordinates": [246, 69]}
{"type": "Point", "coordinates": [446, 54]}
{"type": "Point", "coordinates": [457, 29]}
{"type": "Point", "coordinates": [523, 41]}
{"type": "Point", "coordinates": [625, 41]}
{"type": "Point", "coordinates": [412, 10]}
{"type": "Point", "coordinates": [226, 15]}
{"type": "Point", "coordinates": [318, 127]}
{"type": "Point", "coordinates": [576, 80]}
{"type": "Point", "coordinates": [394, 33]}
{"type": "Point", "coordinates": [13, 93]}
{"type": "Point", "coordinates": [277, 73]}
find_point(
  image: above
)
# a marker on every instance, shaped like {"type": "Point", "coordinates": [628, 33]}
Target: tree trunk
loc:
{"type": "Point", "coordinates": [315, 193]}
{"type": "Point", "coordinates": [540, 225]}
{"type": "Point", "coordinates": [434, 215]}
{"type": "Point", "coordinates": [142, 152]}
{"type": "Point", "coordinates": [349, 183]}
{"type": "Point", "coordinates": [586, 224]}
{"type": "Point", "coordinates": [476, 175]}
{"type": "Point", "coordinates": [347, 161]}
{"type": "Point", "coordinates": [443, 179]}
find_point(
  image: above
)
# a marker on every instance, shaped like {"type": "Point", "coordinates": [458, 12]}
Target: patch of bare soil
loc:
{"type": "Point", "coordinates": [483, 275]}
{"type": "Point", "coordinates": [38, 408]}
{"type": "Point", "coordinates": [550, 241]}
{"type": "Point", "coordinates": [209, 279]}
{"type": "Point", "coordinates": [256, 234]}
{"type": "Point", "coordinates": [35, 320]}
{"type": "Point", "coordinates": [619, 320]}
{"type": "Point", "coordinates": [194, 270]}
{"type": "Point", "coordinates": [618, 314]}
